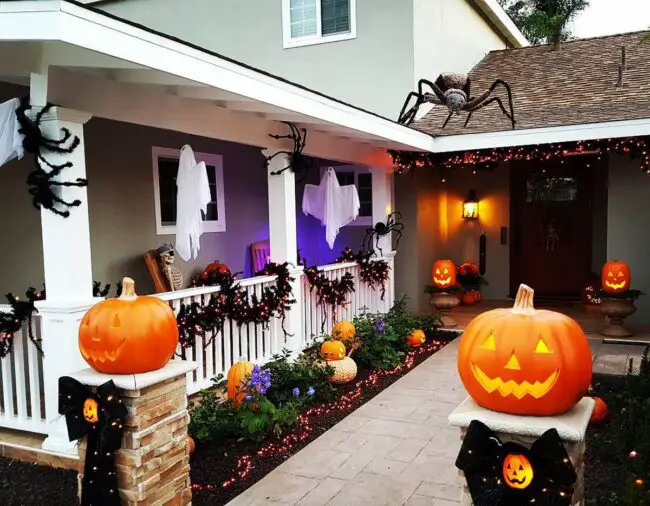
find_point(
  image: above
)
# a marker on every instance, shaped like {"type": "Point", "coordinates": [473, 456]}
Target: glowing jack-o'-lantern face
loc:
{"type": "Point", "coordinates": [517, 471]}
{"type": "Point", "coordinates": [615, 277]}
{"type": "Point", "coordinates": [90, 410]}
{"type": "Point", "coordinates": [443, 273]}
{"type": "Point", "coordinates": [525, 361]}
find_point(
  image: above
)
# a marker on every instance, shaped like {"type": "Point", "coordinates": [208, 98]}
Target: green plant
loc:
{"type": "Point", "coordinates": [403, 322]}
{"type": "Point", "coordinates": [382, 347]}
{"type": "Point", "coordinates": [212, 418]}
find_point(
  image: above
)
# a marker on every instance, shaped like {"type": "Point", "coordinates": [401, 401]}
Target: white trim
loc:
{"type": "Point", "coordinates": [361, 221]}
{"type": "Point", "coordinates": [288, 42]}
{"type": "Point", "coordinates": [502, 21]}
{"type": "Point", "coordinates": [546, 135]}
{"type": "Point", "coordinates": [209, 226]}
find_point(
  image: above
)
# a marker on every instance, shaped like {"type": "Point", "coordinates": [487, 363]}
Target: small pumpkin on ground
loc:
{"type": "Point", "coordinates": [128, 334]}
{"type": "Point", "coordinates": [332, 350]}
{"type": "Point", "coordinates": [615, 276]}
{"type": "Point", "coordinates": [416, 338]}
{"type": "Point", "coordinates": [191, 445]}
{"type": "Point", "coordinates": [470, 297]}
{"type": "Point", "coordinates": [344, 371]}
{"type": "Point", "coordinates": [344, 331]}
{"type": "Point", "coordinates": [600, 413]}
{"type": "Point", "coordinates": [238, 375]}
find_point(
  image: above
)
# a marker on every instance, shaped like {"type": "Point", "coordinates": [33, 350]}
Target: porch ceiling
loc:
{"type": "Point", "coordinates": [118, 70]}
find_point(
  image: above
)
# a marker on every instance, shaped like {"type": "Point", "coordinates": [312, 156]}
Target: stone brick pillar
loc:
{"type": "Point", "coordinates": [153, 464]}
{"type": "Point", "coordinates": [525, 430]}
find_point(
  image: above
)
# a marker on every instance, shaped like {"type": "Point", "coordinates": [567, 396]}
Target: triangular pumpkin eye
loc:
{"type": "Point", "coordinates": [445, 271]}
{"type": "Point", "coordinates": [541, 347]}
{"type": "Point", "coordinates": [489, 343]}
{"type": "Point", "coordinates": [437, 271]}
{"type": "Point", "coordinates": [610, 274]}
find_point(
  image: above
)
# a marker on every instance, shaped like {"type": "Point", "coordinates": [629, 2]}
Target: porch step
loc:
{"type": "Point", "coordinates": [26, 447]}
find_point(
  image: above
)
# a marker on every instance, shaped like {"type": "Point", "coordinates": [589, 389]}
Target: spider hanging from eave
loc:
{"type": "Point", "coordinates": [393, 225]}
{"type": "Point", "coordinates": [299, 163]}
{"type": "Point", "coordinates": [43, 182]}
{"type": "Point", "coordinates": [453, 91]}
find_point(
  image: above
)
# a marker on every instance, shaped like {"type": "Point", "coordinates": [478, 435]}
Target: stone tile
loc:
{"type": "Point", "coordinates": [396, 427]}
{"type": "Point", "coordinates": [440, 491]}
{"type": "Point", "coordinates": [241, 500]}
{"type": "Point", "coordinates": [433, 468]}
{"type": "Point", "coordinates": [373, 444]}
{"type": "Point", "coordinates": [407, 449]}
{"type": "Point", "coordinates": [282, 488]}
{"type": "Point", "coordinates": [354, 465]}
{"type": "Point", "coordinates": [329, 439]}
{"type": "Point", "coordinates": [351, 423]}
{"type": "Point", "coordinates": [327, 489]}
{"type": "Point", "coordinates": [375, 490]}
{"type": "Point", "coordinates": [423, 500]}
{"type": "Point", "coordinates": [314, 463]}
{"type": "Point", "coordinates": [388, 467]}
{"type": "Point", "coordinates": [389, 409]}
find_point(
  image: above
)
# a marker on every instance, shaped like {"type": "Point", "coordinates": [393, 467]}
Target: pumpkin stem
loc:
{"type": "Point", "coordinates": [128, 289]}
{"type": "Point", "coordinates": [524, 301]}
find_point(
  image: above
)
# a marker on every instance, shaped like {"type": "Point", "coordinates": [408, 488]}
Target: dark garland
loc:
{"type": "Point", "coordinates": [634, 147]}
{"type": "Point", "coordinates": [372, 272]}
{"type": "Point", "coordinates": [233, 302]}
{"type": "Point", "coordinates": [12, 321]}
{"type": "Point", "coordinates": [329, 292]}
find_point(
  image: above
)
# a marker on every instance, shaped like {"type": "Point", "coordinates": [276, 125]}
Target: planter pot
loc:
{"type": "Point", "coordinates": [616, 310]}
{"type": "Point", "coordinates": [444, 302]}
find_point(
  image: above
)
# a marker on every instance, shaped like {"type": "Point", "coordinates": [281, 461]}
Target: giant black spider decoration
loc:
{"type": "Point", "coordinates": [393, 225]}
{"type": "Point", "coordinates": [299, 163]}
{"type": "Point", "coordinates": [453, 91]}
{"type": "Point", "coordinates": [43, 182]}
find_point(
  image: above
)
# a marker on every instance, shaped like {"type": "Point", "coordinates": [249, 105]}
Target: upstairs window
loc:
{"type": "Point", "coordinates": [362, 179]}
{"type": "Point", "coordinates": [317, 21]}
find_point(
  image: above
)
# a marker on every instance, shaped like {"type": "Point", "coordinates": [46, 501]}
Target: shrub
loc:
{"type": "Point", "coordinates": [404, 322]}
{"type": "Point", "coordinates": [381, 347]}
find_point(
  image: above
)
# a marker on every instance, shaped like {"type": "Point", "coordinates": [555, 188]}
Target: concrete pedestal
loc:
{"type": "Point", "coordinates": [153, 464]}
{"type": "Point", "coordinates": [525, 430]}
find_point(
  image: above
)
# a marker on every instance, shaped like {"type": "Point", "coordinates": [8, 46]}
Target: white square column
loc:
{"type": "Point", "coordinates": [382, 205]}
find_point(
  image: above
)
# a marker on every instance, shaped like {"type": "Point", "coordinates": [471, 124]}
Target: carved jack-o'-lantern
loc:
{"type": "Point", "coordinates": [525, 361]}
{"type": "Point", "coordinates": [332, 350]}
{"type": "Point", "coordinates": [616, 277]}
{"type": "Point", "coordinates": [517, 471]}
{"type": "Point", "coordinates": [90, 410]}
{"type": "Point", "coordinates": [443, 273]}
{"type": "Point", "coordinates": [129, 334]}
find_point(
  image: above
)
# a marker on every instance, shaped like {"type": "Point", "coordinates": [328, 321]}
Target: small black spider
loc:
{"type": "Point", "coordinates": [393, 225]}
{"type": "Point", "coordinates": [43, 182]}
{"type": "Point", "coordinates": [299, 164]}
{"type": "Point", "coordinates": [453, 91]}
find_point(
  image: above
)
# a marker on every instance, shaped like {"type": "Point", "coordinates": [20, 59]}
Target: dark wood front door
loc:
{"type": "Point", "coordinates": [551, 221]}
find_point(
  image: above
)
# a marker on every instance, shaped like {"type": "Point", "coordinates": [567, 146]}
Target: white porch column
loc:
{"type": "Point", "coordinates": [283, 238]}
{"type": "Point", "coordinates": [67, 266]}
{"type": "Point", "coordinates": [382, 203]}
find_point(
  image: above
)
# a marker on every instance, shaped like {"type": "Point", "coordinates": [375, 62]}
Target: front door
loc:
{"type": "Point", "coordinates": [551, 222]}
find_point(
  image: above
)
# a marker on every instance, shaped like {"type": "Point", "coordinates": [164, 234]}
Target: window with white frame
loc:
{"type": "Point", "coordinates": [316, 21]}
{"type": "Point", "coordinates": [361, 177]}
{"type": "Point", "coordinates": [165, 170]}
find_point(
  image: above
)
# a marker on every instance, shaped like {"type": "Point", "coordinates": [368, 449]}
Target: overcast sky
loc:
{"type": "Point", "coordinates": [606, 17]}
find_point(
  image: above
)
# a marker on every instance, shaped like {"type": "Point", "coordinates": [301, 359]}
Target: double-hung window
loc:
{"type": "Point", "coordinates": [316, 21]}
{"type": "Point", "coordinates": [361, 177]}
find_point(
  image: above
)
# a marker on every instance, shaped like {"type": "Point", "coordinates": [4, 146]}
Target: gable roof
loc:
{"type": "Point", "coordinates": [574, 85]}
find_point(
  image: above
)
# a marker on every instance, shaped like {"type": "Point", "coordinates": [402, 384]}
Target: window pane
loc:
{"type": "Point", "coordinates": [365, 194]}
{"type": "Point", "coordinates": [335, 16]}
{"type": "Point", "coordinates": [303, 18]}
{"type": "Point", "coordinates": [365, 209]}
{"type": "Point", "coordinates": [542, 188]}
{"type": "Point", "coordinates": [167, 172]}
{"type": "Point", "coordinates": [345, 178]}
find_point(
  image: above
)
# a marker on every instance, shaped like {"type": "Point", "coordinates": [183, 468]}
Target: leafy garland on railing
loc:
{"type": "Point", "coordinates": [329, 292]}
{"type": "Point", "coordinates": [372, 272]}
{"type": "Point", "coordinates": [12, 321]}
{"type": "Point", "coordinates": [233, 302]}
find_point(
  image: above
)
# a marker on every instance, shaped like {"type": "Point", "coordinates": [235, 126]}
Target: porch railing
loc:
{"type": "Point", "coordinates": [21, 383]}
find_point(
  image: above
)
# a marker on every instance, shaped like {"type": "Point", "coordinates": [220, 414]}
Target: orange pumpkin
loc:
{"type": "Point", "coordinates": [443, 273]}
{"type": "Point", "coordinates": [615, 277]}
{"type": "Point", "coordinates": [129, 334]}
{"type": "Point", "coordinates": [416, 338]}
{"type": "Point", "coordinates": [517, 471]}
{"type": "Point", "coordinates": [601, 411]}
{"type": "Point", "coordinates": [238, 375]}
{"type": "Point", "coordinates": [191, 445]}
{"type": "Point", "coordinates": [470, 297]}
{"type": "Point", "coordinates": [524, 361]}
{"type": "Point", "coordinates": [332, 350]}
{"type": "Point", "coordinates": [344, 331]}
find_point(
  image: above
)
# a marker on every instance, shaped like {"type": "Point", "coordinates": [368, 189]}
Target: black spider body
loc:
{"type": "Point", "coordinates": [44, 182]}
{"type": "Point", "coordinates": [454, 92]}
{"type": "Point", "coordinates": [393, 225]}
{"type": "Point", "coordinates": [299, 163]}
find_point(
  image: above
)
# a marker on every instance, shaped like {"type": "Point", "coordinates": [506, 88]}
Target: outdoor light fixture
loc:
{"type": "Point", "coordinates": [470, 206]}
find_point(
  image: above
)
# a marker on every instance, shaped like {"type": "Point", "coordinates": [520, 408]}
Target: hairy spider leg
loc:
{"type": "Point", "coordinates": [408, 117]}
{"type": "Point", "coordinates": [481, 101]}
{"type": "Point", "coordinates": [488, 102]}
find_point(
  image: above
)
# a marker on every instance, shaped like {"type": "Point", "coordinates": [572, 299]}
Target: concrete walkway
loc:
{"type": "Point", "coordinates": [397, 449]}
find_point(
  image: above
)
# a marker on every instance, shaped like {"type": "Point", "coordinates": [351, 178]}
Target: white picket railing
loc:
{"type": "Point", "coordinates": [21, 383]}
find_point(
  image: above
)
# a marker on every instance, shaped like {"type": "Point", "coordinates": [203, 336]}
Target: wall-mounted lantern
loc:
{"type": "Point", "coordinates": [470, 206]}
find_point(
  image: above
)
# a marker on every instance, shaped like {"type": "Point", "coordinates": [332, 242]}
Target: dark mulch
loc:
{"type": "Point", "coordinates": [212, 465]}
{"type": "Point", "coordinates": [23, 484]}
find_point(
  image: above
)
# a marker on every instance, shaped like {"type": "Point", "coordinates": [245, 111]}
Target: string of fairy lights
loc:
{"type": "Point", "coordinates": [348, 402]}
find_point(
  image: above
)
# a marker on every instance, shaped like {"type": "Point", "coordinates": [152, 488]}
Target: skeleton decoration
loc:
{"type": "Point", "coordinates": [44, 183]}
{"type": "Point", "coordinates": [453, 91]}
{"type": "Point", "coordinates": [166, 264]}
{"type": "Point", "coordinates": [393, 225]}
{"type": "Point", "coordinates": [299, 163]}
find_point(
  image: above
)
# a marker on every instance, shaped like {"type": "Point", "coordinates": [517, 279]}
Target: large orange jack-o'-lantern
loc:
{"type": "Point", "coordinates": [129, 334]}
{"type": "Point", "coordinates": [443, 273]}
{"type": "Point", "coordinates": [524, 361]}
{"type": "Point", "coordinates": [616, 277]}
{"type": "Point", "coordinates": [517, 471]}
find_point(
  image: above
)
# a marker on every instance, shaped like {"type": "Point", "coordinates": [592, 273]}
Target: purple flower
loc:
{"type": "Point", "coordinates": [311, 391]}
{"type": "Point", "coordinates": [296, 392]}
{"type": "Point", "coordinates": [379, 326]}
{"type": "Point", "coordinates": [260, 380]}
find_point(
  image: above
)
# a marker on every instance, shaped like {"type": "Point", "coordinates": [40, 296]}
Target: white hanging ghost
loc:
{"type": "Point", "coordinates": [11, 142]}
{"type": "Point", "coordinates": [335, 206]}
{"type": "Point", "coordinates": [192, 199]}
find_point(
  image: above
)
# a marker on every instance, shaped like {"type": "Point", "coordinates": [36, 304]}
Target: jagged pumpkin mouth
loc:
{"type": "Point", "coordinates": [615, 286]}
{"type": "Point", "coordinates": [442, 281]}
{"type": "Point", "coordinates": [102, 355]}
{"type": "Point", "coordinates": [510, 387]}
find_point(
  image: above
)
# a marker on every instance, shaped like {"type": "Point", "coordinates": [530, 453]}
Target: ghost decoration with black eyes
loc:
{"type": "Point", "coordinates": [509, 474]}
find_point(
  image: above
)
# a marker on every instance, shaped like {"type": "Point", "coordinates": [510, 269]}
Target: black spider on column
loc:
{"type": "Point", "coordinates": [393, 225]}
{"type": "Point", "coordinates": [299, 163]}
{"type": "Point", "coordinates": [453, 91]}
{"type": "Point", "coordinates": [43, 182]}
